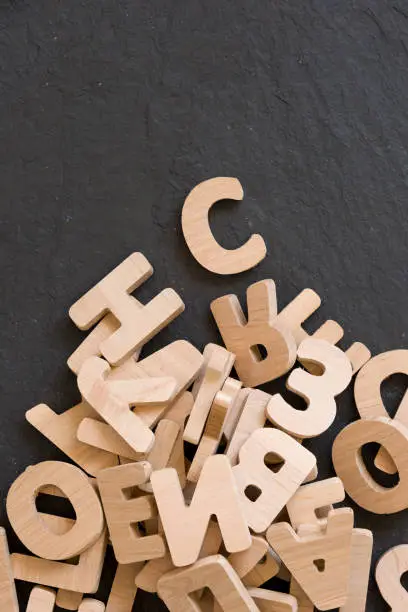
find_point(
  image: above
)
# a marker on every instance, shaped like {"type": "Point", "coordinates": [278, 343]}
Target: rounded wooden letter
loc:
{"type": "Point", "coordinates": [349, 464]}
{"type": "Point", "coordinates": [33, 531]}
{"type": "Point", "coordinates": [392, 565]}
{"type": "Point", "coordinates": [198, 234]}
{"type": "Point", "coordinates": [367, 389]}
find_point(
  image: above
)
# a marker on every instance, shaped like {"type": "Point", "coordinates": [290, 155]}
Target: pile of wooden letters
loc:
{"type": "Point", "coordinates": [207, 534]}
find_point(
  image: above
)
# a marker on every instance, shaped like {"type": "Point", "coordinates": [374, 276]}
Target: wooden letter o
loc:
{"type": "Point", "coordinates": [33, 531]}
{"type": "Point", "coordinates": [350, 467]}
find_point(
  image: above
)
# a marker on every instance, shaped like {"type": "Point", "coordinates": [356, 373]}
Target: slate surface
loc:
{"type": "Point", "coordinates": [112, 111]}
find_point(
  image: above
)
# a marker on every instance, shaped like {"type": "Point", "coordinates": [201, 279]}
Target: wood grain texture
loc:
{"type": "Point", "coordinates": [327, 588]}
{"type": "Point", "coordinates": [111, 294]}
{"type": "Point", "coordinates": [124, 589]}
{"type": "Point", "coordinates": [83, 577]}
{"type": "Point", "coordinates": [8, 596]}
{"type": "Point", "coordinates": [28, 524]}
{"type": "Point", "coordinates": [367, 394]}
{"type": "Point", "coordinates": [318, 391]}
{"type": "Point", "coordinates": [388, 574]}
{"type": "Point", "coordinates": [61, 430]}
{"type": "Point", "coordinates": [214, 573]}
{"type": "Point", "coordinates": [273, 489]}
{"type": "Point", "coordinates": [218, 363]}
{"type": "Point", "coordinates": [199, 238]}
{"type": "Point", "coordinates": [349, 464]}
{"type": "Point", "coordinates": [242, 336]}
{"type": "Point", "coordinates": [124, 511]}
{"type": "Point", "coordinates": [216, 494]}
{"type": "Point", "coordinates": [41, 600]}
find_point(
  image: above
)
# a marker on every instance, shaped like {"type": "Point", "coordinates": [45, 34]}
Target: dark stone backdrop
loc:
{"type": "Point", "coordinates": [110, 112]}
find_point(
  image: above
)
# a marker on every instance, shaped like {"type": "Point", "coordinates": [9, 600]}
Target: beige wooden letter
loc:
{"type": "Point", "coordinates": [68, 600]}
{"type": "Point", "coordinates": [61, 430]}
{"type": "Point", "coordinates": [320, 563]}
{"type": "Point", "coordinates": [218, 363]}
{"type": "Point", "coordinates": [152, 571]}
{"type": "Point", "coordinates": [32, 530]}
{"type": "Point", "coordinates": [272, 490]}
{"type": "Point", "coordinates": [357, 480]}
{"type": "Point", "coordinates": [388, 574]}
{"type": "Point", "coordinates": [123, 592]}
{"type": "Point", "coordinates": [8, 596]}
{"type": "Point", "coordinates": [309, 498]}
{"type": "Point", "coordinates": [198, 235]}
{"type": "Point", "coordinates": [185, 526]}
{"type": "Point", "coordinates": [83, 576]}
{"type": "Point", "coordinates": [367, 393]}
{"type": "Point", "coordinates": [319, 391]}
{"type": "Point", "coordinates": [300, 309]}
{"type": "Point", "coordinates": [253, 416]}
{"type": "Point", "coordinates": [361, 551]}
{"type": "Point", "coordinates": [273, 601]}
{"type": "Point", "coordinates": [111, 294]}
{"type": "Point", "coordinates": [215, 573]}
{"type": "Point", "coordinates": [40, 600]}
{"type": "Point", "coordinates": [179, 360]}
{"type": "Point", "coordinates": [91, 605]}
{"type": "Point", "coordinates": [114, 405]}
{"type": "Point", "coordinates": [243, 337]}
{"type": "Point", "coordinates": [122, 512]}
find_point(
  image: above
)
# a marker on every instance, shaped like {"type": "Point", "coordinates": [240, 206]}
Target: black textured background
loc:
{"type": "Point", "coordinates": [112, 111]}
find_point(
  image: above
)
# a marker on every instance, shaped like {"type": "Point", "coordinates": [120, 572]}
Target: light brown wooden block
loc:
{"type": "Point", "coordinates": [68, 600]}
{"type": "Point", "coordinates": [388, 574]}
{"type": "Point", "coordinates": [238, 396]}
{"type": "Point", "coordinates": [361, 551]}
{"type": "Point", "coordinates": [213, 572]}
{"type": "Point", "coordinates": [199, 237]}
{"type": "Point", "coordinates": [367, 393]}
{"type": "Point", "coordinates": [40, 600]}
{"type": "Point", "coordinates": [8, 596]}
{"type": "Point", "coordinates": [328, 586]}
{"type": "Point", "coordinates": [166, 434]}
{"type": "Point", "coordinates": [300, 309]}
{"type": "Point", "coordinates": [312, 476]}
{"type": "Point", "coordinates": [153, 570]}
{"type": "Point", "coordinates": [61, 430]}
{"type": "Point", "coordinates": [218, 363]}
{"type": "Point", "coordinates": [83, 577]}
{"type": "Point", "coordinates": [303, 507]}
{"type": "Point", "coordinates": [212, 434]}
{"type": "Point", "coordinates": [185, 526]}
{"type": "Point", "coordinates": [30, 528]}
{"type": "Point", "coordinates": [123, 592]}
{"type": "Point", "coordinates": [253, 416]}
{"type": "Point", "coordinates": [90, 347]}
{"type": "Point", "coordinates": [138, 325]}
{"type": "Point", "coordinates": [358, 355]}
{"type": "Point", "coordinates": [318, 391]}
{"type": "Point", "coordinates": [303, 601]}
{"type": "Point", "coordinates": [273, 490]}
{"type": "Point", "coordinates": [122, 513]}
{"type": "Point", "coordinates": [180, 409]}
{"type": "Point", "coordinates": [349, 465]}
{"type": "Point", "coordinates": [272, 601]}
{"type": "Point", "coordinates": [179, 360]}
{"type": "Point", "coordinates": [103, 436]}
{"type": "Point", "coordinates": [242, 336]}
{"type": "Point", "coordinates": [113, 405]}
{"type": "Point", "coordinates": [256, 565]}
{"type": "Point", "coordinates": [91, 605]}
